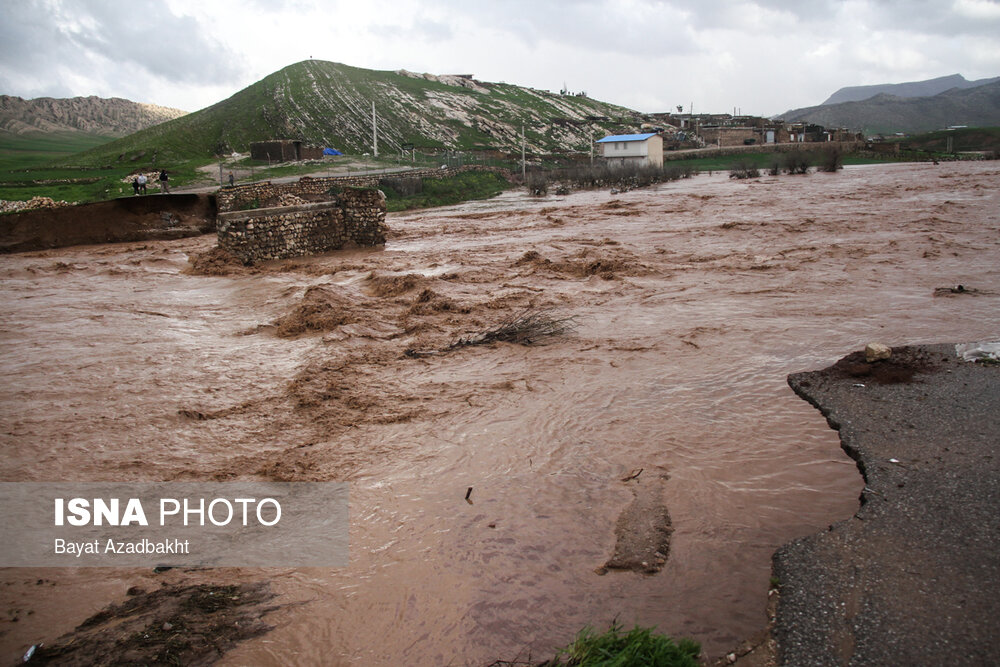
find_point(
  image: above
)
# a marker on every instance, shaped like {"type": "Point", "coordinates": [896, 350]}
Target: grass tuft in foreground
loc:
{"type": "Point", "coordinates": [640, 647]}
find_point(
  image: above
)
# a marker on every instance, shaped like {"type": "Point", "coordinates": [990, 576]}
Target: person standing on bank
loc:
{"type": "Point", "coordinates": [135, 185]}
{"type": "Point", "coordinates": [232, 181]}
{"type": "Point", "coordinates": [142, 183]}
{"type": "Point", "coordinates": [164, 182]}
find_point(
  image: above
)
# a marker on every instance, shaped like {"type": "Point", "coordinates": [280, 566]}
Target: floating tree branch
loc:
{"type": "Point", "coordinates": [528, 327]}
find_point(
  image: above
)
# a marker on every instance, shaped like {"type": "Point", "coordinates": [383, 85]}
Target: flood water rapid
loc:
{"type": "Point", "coordinates": [691, 301]}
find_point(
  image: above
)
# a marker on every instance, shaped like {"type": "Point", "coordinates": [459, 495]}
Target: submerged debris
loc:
{"type": "Point", "coordinates": [960, 289]}
{"type": "Point", "coordinates": [985, 353]}
{"type": "Point", "coordinates": [526, 328]}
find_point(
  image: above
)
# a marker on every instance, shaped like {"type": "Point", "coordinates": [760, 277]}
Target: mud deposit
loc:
{"type": "Point", "coordinates": [173, 625]}
{"type": "Point", "coordinates": [692, 302]}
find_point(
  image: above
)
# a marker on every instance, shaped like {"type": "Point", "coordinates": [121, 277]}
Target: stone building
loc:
{"type": "Point", "coordinates": [284, 150]}
{"type": "Point", "coordinates": [716, 135]}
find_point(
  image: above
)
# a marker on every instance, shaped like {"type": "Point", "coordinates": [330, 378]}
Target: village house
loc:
{"type": "Point", "coordinates": [284, 150]}
{"type": "Point", "coordinates": [632, 149]}
{"type": "Point", "coordinates": [716, 135]}
{"type": "Point", "coordinates": [725, 130]}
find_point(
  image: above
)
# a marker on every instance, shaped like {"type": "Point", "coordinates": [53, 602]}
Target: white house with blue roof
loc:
{"type": "Point", "coordinates": [638, 149]}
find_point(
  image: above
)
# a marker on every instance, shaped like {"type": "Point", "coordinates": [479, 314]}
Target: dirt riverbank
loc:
{"type": "Point", "coordinates": [148, 217]}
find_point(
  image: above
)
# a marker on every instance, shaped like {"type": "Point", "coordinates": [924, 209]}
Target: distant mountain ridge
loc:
{"type": "Point", "coordinates": [330, 104]}
{"type": "Point", "coordinates": [925, 88]}
{"type": "Point", "coordinates": [886, 114]}
{"type": "Point", "coordinates": [111, 117]}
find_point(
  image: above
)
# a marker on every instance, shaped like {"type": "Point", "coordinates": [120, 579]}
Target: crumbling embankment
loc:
{"type": "Point", "coordinates": [124, 219]}
{"type": "Point", "coordinates": [911, 578]}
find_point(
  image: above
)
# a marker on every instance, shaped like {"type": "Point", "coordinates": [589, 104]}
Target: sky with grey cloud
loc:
{"type": "Point", "coordinates": [761, 56]}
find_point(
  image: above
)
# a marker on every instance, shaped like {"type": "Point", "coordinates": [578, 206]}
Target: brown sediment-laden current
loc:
{"type": "Point", "coordinates": [641, 467]}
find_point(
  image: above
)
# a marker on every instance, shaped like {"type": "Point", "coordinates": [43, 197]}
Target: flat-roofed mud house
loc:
{"type": "Point", "coordinates": [284, 150]}
{"type": "Point", "coordinates": [635, 149]}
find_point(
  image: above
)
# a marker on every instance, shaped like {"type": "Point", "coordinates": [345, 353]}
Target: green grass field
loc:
{"type": "Point", "coordinates": [34, 166]}
{"type": "Point", "coordinates": [27, 168]}
{"type": "Point", "coordinates": [28, 151]}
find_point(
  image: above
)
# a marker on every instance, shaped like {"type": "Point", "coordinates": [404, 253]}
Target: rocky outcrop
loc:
{"type": "Point", "coordinates": [112, 117]}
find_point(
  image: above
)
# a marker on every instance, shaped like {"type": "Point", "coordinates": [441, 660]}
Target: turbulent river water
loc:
{"type": "Point", "coordinates": [691, 301]}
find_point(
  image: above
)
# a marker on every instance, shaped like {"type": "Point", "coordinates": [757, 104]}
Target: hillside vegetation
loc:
{"type": "Point", "coordinates": [330, 104]}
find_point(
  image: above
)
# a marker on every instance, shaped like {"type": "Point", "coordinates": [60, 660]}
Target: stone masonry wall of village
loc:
{"type": "Point", "coordinates": [355, 216]}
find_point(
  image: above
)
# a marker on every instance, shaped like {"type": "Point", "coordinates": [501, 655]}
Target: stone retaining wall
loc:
{"type": "Point", "coordinates": [355, 216]}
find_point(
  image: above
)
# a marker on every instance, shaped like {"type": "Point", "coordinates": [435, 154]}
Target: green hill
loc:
{"type": "Point", "coordinates": [329, 104]}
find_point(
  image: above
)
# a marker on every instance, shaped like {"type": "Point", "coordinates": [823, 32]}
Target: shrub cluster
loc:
{"type": "Point", "coordinates": [797, 162]}
{"type": "Point", "coordinates": [831, 161]}
{"type": "Point", "coordinates": [401, 186]}
{"type": "Point", "coordinates": [602, 175]}
{"type": "Point", "coordinates": [794, 162]}
{"type": "Point", "coordinates": [409, 192]}
{"type": "Point", "coordinates": [744, 169]}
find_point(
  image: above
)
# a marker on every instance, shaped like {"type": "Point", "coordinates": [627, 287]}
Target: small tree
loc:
{"type": "Point", "coordinates": [796, 162]}
{"type": "Point", "coordinates": [537, 182]}
{"type": "Point", "coordinates": [831, 160]}
{"type": "Point", "coordinates": [744, 169]}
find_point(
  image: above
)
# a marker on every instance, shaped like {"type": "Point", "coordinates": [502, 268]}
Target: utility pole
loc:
{"type": "Point", "coordinates": [522, 153]}
{"type": "Point", "coordinates": [374, 132]}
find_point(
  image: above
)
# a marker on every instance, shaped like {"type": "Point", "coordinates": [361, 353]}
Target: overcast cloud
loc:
{"type": "Point", "coordinates": [762, 56]}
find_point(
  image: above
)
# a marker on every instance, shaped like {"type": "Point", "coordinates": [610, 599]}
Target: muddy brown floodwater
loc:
{"type": "Point", "coordinates": [693, 300]}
